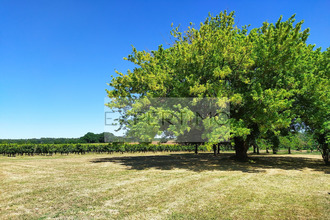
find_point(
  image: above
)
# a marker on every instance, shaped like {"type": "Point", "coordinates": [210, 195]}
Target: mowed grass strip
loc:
{"type": "Point", "coordinates": [164, 186]}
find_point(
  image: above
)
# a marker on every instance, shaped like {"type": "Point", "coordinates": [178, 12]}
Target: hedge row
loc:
{"type": "Point", "coordinates": [50, 149]}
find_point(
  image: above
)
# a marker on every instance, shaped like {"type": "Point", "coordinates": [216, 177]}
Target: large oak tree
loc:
{"type": "Point", "coordinates": [261, 72]}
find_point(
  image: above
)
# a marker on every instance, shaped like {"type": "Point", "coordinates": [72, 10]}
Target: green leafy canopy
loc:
{"type": "Point", "coordinates": [264, 73]}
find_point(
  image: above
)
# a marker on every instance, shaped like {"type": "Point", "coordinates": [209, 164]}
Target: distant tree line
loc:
{"type": "Point", "coordinates": [90, 137]}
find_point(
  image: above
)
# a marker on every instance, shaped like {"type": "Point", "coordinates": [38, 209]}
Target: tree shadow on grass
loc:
{"type": "Point", "coordinates": [208, 162]}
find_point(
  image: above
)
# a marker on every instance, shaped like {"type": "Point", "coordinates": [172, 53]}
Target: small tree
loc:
{"type": "Point", "coordinates": [313, 102]}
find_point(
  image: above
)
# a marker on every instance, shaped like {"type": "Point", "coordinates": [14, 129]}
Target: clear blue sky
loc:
{"type": "Point", "coordinates": [57, 56]}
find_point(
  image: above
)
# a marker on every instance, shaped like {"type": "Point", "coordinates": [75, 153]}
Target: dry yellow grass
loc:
{"type": "Point", "coordinates": [164, 186]}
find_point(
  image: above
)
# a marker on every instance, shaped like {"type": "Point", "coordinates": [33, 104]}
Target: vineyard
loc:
{"type": "Point", "coordinates": [11, 150]}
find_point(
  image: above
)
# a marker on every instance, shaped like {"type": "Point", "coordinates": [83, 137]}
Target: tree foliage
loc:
{"type": "Point", "coordinates": [267, 74]}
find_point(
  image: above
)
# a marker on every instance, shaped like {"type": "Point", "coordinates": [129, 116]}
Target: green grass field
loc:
{"type": "Point", "coordinates": [164, 186]}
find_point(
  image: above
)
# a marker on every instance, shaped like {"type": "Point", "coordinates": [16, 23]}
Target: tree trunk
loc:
{"type": "Point", "coordinates": [267, 151]}
{"type": "Point", "coordinates": [325, 154]}
{"type": "Point", "coordinates": [324, 148]}
{"type": "Point", "coordinates": [196, 148]}
{"type": "Point", "coordinates": [241, 147]}
{"type": "Point", "coordinates": [218, 148]}
{"type": "Point", "coordinates": [255, 148]}
{"type": "Point", "coordinates": [215, 149]}
{"type": "Point", "coordinates": [289, 150]}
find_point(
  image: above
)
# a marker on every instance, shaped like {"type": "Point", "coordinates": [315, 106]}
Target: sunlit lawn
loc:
{"type": "Point", "coordinates": [164, 186]}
